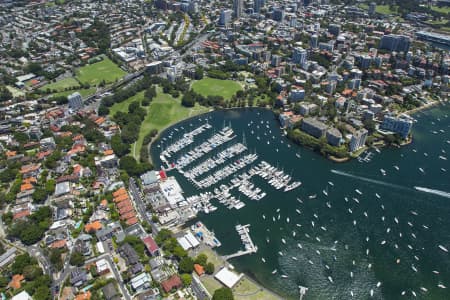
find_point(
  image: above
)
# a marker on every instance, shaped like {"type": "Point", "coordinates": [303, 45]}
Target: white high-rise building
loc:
{"type": "Point", "coordinates": [75, 101]}
{"type": "Point", "coordinates": [225, 17]}
{"type": "Point", "coordinates": [358, 140]}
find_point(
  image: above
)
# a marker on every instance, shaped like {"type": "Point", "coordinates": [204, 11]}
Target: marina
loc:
{"type": "Point", "coordinates": [220, 138]}
{"type": "Point", "coordinates": [244, 233]}
{"type": "Point", "coordinates": [340, 222]}
{"type": "Point", "coordinates": [186, 140]}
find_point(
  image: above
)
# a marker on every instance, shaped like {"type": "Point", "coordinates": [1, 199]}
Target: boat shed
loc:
{"type": "Point", "coordinates": [227, 277]}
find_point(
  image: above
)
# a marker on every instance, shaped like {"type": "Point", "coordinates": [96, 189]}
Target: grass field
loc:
{"type": "Point", "coordinates": [15, 91]}
{"type": "Point", "coordinates": [62, 84]}
{"type": "Point", "coordinates": [103, 70]}
{"type": "Point", "coordinates": [216, 87]}
{"type": "Point", "coordinates": [123, 106]}
{"type": "Point", "coordinates": [210, 284]}
{"type": "Point", "coordinates": [83, 92]}
{"type": "Point", "coordinates": [162, 112]}
{"type": "Point", "coordinates": [247, 290]}
{"type": "Point", "coordinates": [443, 9]}
{"type": "Point", "coordinates": [381, 9]}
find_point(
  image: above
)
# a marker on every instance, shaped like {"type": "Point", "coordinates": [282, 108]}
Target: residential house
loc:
{"type": "Point", "coordinates": [173, 282]}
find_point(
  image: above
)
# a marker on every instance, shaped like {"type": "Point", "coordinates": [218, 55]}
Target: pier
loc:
{"type": "Point", "coordinates": [302, 291]}
{"type": "Point", "coordinates": [250, 248]}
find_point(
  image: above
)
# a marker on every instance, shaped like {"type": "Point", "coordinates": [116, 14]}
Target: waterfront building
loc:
{"type": "Point", "coordinates": [334, 137]}
{"type": "Point", "coordinates": [394, 42]}
{"type": "Point", "coordinates": [358, 140]}
{"type": "Point", "coordinates": [313, 127]}
{"type": "Point", "coordinates": [75, 101]}
{"type": "Point", "coordinates": [401, 125]}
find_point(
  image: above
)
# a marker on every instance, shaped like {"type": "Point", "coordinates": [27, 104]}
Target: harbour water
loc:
{"type": "Point", "coordinates": [364, 235]}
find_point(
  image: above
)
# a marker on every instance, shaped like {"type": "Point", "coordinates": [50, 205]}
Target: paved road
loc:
{"type": "Point", "coordinates": [140, 205]}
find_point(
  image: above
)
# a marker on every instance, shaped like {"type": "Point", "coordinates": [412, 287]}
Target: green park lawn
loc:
{"type": "Point", "coordinates": [61, 85]}
{"type": "Point", "coordinates": [247, 290]}
{"type": "Point", "coordinates": [216, 87]}
{"type": "Point", "coordinates": [123, 106]}
{"type": "Point", "coordinates": [442, 9]}
{"type": "Point", "coordinates": [97, 72]}
{"type": "Point", "coordinates": [163, 111]}
{"type": "Point", "coordinates": [15, 91]}
{"type": "Point", "coordinates": [381, 9]}
{"type": "Point", "coordinates": [83, 92]}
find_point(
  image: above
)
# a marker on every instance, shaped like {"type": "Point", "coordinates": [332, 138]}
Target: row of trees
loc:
{"type": "Point", "coordinates": [190, 98]}
{"type": "Point", "coordinates": [130, 123]}
{"type": "Point", "coordinates": [123, 94]}
{"type": "Point", "coordinates": [144, 155]}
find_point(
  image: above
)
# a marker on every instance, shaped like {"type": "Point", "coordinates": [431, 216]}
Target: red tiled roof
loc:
{"type": "Point", "coordinates": [21, 214]}
{"type": "Point", "coordinates": [150, 243]}
{"type": "Point", "coordinates": [172, 282]}
{"type": "Point", "coordinates": [94, 226]}
{"type": "Point", "coordinates": [119, 192]}
{"type": "Point", "coordinates": [15, 282]}
{"type": "Point", "coordinates": [58, 244]}
{"type": "Point", "coordinates": [199, 269]}
{"type": "Point", "coordinates": [132, 221]}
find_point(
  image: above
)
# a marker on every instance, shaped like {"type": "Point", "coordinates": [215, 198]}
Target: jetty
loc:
{"type": "Point", "coordinates": [302, 291]}
{"type": "Point", "coordinates": [250, 247]}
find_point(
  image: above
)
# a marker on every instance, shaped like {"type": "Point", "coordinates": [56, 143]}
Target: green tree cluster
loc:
{"type": "Point", "coordinates": [169, 244]}
{"type": "Point", "coordinates": [223, 294]}
{"type": "Point", "coordinates": [132, 167]}
{"type": "Point", "coordinates": [77, 259]}
{"type": "Point", "coordinates": [32, 230]}
{"type": "Point", "coordinates": [5, 94]}
{"type": "Point", "coordinates": [97, 35]}
{"type": "Point", "coordinates": [320, 145]}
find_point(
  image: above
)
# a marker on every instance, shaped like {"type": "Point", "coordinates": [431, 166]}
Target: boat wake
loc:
{"type": "Point", "coordinates": [432, 191]}
{"type": "Point", "coordinates": [369, 179]}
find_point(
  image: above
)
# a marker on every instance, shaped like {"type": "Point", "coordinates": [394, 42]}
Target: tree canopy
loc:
{"type": "Point", "coordinates": [223, 294]}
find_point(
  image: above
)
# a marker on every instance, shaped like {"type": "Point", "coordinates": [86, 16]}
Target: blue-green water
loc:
{"type": "Point", "coordinates": [391, 241]}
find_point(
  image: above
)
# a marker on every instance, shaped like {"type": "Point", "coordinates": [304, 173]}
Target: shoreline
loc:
{"type": "Point", "coordinates": [164, 129]}
{"type": "Point", "coordinates": [423, 107]}
{"type": "Point", "coordinates": [253, 280]}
